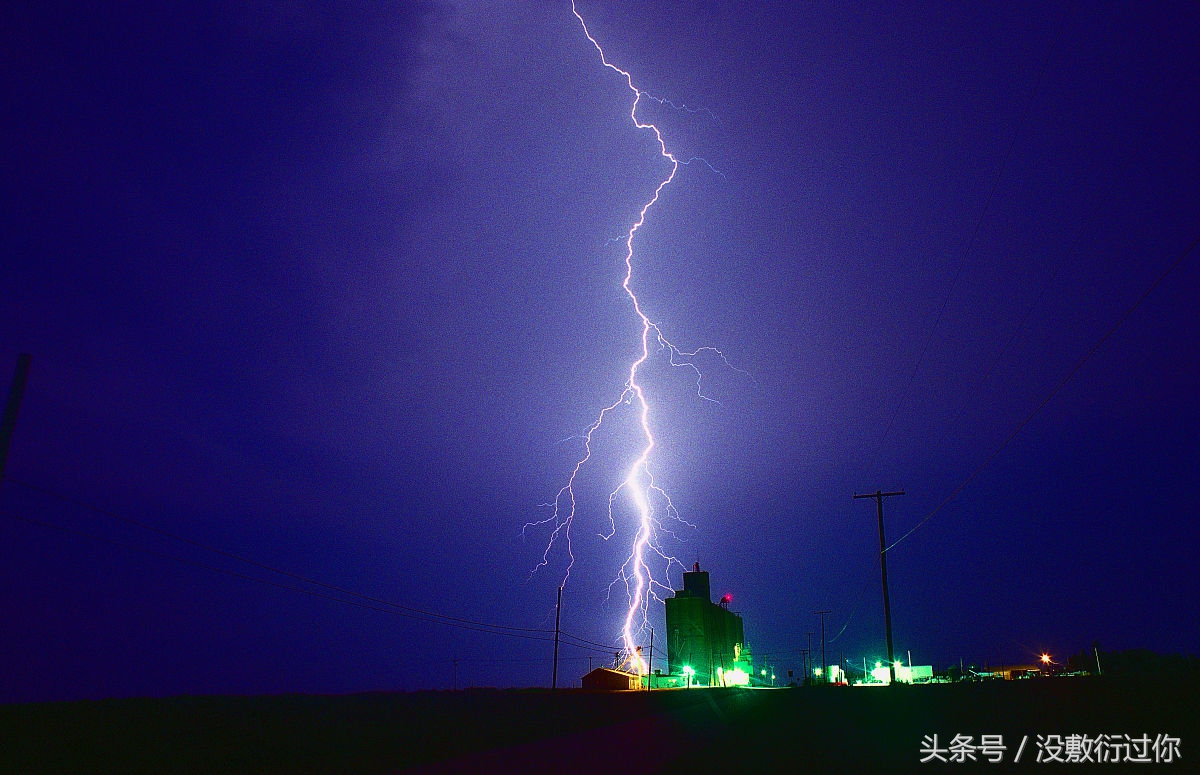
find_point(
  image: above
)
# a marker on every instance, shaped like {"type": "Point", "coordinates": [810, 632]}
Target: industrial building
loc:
{"type": "Point", "coordinates": [705, 640]}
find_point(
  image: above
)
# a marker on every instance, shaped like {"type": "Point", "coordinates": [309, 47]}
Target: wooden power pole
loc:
{"type": "Point", "coordinates": [879, 495]}
{"type": "Point", "coordinates": [557, 611]}
{"type": "Point", "coordinates": [9, 423]}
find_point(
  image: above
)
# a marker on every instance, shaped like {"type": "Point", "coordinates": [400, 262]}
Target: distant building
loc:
{"type": "Point", "coordinates": [704, 640]}
{"type": "Point", "coordinates": [609, 680]}
{"type": "Point", "coordinates": [1012, 672]}
{"type": "Point", "coordinates": [905, 674]}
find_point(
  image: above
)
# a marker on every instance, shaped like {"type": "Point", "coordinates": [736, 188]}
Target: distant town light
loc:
{"type": "Point", "coordinates": [735, 677]}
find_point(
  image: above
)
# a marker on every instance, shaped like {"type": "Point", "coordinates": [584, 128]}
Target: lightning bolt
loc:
{"type": "Point", "coordinates": [652, 506]}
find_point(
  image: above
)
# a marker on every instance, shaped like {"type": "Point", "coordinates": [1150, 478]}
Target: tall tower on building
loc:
{"type": "Point", "coordinates": [702, 635]}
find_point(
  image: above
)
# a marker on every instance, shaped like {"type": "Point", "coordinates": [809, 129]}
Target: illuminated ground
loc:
{"type": "Point", "coordinates": [826, 729]}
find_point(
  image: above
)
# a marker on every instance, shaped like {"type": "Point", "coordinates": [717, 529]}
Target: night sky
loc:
{"type": "Point", "coordinates": [334, 291]}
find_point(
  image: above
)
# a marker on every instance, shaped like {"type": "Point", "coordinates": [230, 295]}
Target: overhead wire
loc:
{"type": "Point", "coordinates": [857, 604]}
{"type": "Point", "coordinates": [958, 273]}
{"type": "Point", "coordinates": [370, 601]}
{"type": "Point", "coordinates": [1084, 226]}
{"type": "Point", "coordinates": [994, 364]}
{"type": "Point", "coordinates": [280, 585]}
{"type": "Point", "coordinates": [974, 232]}
{"type": "Point", "coordinates": [1058, 387]}
{"type": "Point", "coordinates": [346, 596]}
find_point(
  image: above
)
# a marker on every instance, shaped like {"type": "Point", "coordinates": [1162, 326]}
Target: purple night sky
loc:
{"type": "Point", "coordinates": [334, 291]}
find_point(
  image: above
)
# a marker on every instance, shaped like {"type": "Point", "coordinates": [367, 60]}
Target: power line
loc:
{"type": "Point", "coordinates": [586, 645]}
{"type": "Point", "coordinates": [861, 596]}
{"type": "Point", "coordinates": [392, 607]}
{"type": "Point", "coordinates": [370, 603]}
{"type": "Point", "coordinates": [975, 232]}
{"type": "Point", "coordinates": [1084, 225]}
{"type": "Point", "coordinates": [260, 580]}
{"type": "Point", "coordinates": [591, 643]}
{"type": "Point", "coordinates": [1087, 356]}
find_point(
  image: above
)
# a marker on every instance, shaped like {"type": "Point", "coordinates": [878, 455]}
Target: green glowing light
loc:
{"type": "Point", "coordinates": [735, 677]}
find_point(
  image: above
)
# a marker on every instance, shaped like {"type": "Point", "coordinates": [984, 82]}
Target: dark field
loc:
{"type": "Point", "coordinates": [825, 729]}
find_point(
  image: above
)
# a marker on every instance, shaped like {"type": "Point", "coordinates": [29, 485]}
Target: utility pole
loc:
{"type": "Point", "coordinates": [809, 677]}
{"type": "Point", "coordinates": [824, 664]}
{"type": "Point", "coordinates": [879, 495]}
{"type": "Point", "coordinates": [557, 611]}
{"type": "Point", "coordinates": [650, 667]}
{"type": "Point", "coordinates": [9, 423]}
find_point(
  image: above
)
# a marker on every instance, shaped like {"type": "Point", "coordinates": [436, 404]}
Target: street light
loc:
{"type": "Point", "coordinates": [689, 671]}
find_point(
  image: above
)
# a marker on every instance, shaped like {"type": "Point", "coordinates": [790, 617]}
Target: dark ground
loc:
{"type": "Point", "coordinates": [824, 729]}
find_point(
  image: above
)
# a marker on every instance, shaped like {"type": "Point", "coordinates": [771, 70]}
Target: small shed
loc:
{"type": "Point", "coordinates": [606, 679]}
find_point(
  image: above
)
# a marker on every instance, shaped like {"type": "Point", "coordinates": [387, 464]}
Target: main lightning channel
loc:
{"type": "Point", "coordinates": [636, 565]}
{"type": "Point", "coordinates": [651, 503]}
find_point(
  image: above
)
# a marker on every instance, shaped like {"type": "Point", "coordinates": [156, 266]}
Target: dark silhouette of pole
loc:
{"type": "Point", "coordinates": [650, 667]}
{"type": "Point", "coordinates": [824, 664]}
{"type": "Point", "coordinates": [9, 423]}
{"type": "Point", "coordinates": [879, 495]}
{"type": "Point", "coordinates": [557, 611]}
{"type": "Point", "coordinates": [809, 678]}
